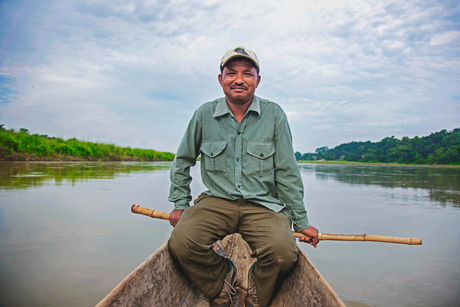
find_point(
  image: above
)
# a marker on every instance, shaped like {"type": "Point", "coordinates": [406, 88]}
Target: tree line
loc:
{"type": "Point", "coordinates": [441, 147]}
{"type": "Point", "coordinates": [21, 145]}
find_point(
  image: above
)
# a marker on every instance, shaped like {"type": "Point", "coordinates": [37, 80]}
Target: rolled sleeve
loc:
{"type": "Point", "coordinates": [189, 149]}
{"type": "Point", "coordinates": [287, 176]}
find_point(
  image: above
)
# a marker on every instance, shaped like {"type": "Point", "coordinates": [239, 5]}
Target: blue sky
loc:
{"type": "Point", "coordinates": [133, 72]}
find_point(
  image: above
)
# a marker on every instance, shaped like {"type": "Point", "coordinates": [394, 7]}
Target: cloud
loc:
{"type": "Point", "coordinates": [444, 38]}
{"type": "Point", "coordinates": [132, 72]}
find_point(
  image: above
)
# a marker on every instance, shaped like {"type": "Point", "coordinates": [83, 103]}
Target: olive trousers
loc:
{"type": "Point", "coordinates": [268, 234]}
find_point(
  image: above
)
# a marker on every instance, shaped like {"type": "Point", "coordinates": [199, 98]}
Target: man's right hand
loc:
{"type": "Point", "coordinates": [174, 216]}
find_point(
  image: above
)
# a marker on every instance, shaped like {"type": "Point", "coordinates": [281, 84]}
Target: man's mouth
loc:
{"type": "Point", "coordinates": [239, 88]}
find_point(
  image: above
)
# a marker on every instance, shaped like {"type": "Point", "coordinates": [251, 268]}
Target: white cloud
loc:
{"type": "Point", "coordinates": [444, 38]}
{"type": "Point", "coordinates": [133, 71]}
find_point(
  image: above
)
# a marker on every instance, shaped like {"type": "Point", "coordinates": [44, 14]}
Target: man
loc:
{"type": "Point", "coordinates": [254, 187]}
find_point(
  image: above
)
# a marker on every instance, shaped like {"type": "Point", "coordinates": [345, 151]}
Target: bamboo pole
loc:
{"type": "Point", "coordinates": [321, 236]}
{"type": "Point", "coordinates": [149, 212]}
{"type": "Point", "coordinates": [363, 237]}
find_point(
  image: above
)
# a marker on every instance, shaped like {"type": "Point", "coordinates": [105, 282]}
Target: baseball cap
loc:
{"type": "Point", "coordinates": [239, 52]}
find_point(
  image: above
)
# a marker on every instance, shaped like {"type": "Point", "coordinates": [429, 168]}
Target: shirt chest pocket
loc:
{"type": "Point", "coordinates": [213, 154]}
{"type": "Point", "coordinates": [260, 158]}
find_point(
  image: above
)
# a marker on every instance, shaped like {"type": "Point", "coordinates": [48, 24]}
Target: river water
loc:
{"type": "Point", "coordinates": [67, 235]}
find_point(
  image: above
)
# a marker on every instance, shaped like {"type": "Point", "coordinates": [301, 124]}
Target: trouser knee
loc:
{"type": "Point", "coordinates": [280, 255]}
{"type": "Point", "coordinates": [174, 246]}
{"type": "Point", "coordinates": [188, 246]}
{"type": "Point", "coordinates": [178, 244]}
{"type": "Point", "coordinates": [286, 258]}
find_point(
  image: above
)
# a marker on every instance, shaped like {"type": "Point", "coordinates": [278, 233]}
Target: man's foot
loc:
{"type": "Point", "coordinates": [251, 299]}
{"type": "Point", "coordinates": [224, 298]}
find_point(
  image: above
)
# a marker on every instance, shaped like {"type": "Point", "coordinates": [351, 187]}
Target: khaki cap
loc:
{"type": "Point", "coordinates": [237, 53]}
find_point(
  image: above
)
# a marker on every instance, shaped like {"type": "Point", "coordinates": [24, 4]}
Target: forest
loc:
{"type": "Point", "coordinates": [23, 146]}
{"type": "Point", "coordinates": [441, 147]}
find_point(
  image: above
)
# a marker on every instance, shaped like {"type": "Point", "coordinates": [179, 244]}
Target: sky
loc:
{"type": "Point", "coordinates": [133, 72]}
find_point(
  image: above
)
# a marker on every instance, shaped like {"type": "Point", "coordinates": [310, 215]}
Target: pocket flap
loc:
{"type": "Point", "coordinates": [261, 150]}
{"type": "Point", "coordinates": [213, 149]}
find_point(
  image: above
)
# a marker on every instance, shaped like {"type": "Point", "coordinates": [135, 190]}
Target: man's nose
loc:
{"type": "Point", "coordinates": [239, 79]}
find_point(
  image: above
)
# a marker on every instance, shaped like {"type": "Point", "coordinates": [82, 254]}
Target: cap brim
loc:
{"type": "Point", "coordinates": [239, 56]}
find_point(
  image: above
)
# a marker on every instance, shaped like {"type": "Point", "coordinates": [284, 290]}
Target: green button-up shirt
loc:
{"type": "Point", "coordinates": [253, 160]}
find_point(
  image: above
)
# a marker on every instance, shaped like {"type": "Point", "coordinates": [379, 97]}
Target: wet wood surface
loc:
{"type": "Point", "coordinates": [159, 281]}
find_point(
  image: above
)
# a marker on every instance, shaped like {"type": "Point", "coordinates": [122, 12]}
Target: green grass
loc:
{"type": "Point", "coordinates": [22, 146]}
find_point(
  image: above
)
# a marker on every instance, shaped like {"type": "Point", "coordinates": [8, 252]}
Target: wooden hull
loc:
{"type": "Point", "coordinates": [159, 281]}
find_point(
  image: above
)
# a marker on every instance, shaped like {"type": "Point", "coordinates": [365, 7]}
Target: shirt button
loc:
{"type": "Point", "coordinates": [239, 133]}
{"type": "Point", "coordinates": [237, 159]}
{"type": "Point", "coordinates": [260, 155]}
{"type": "Point", "coordinates": [238, 186]}
{"type": "Point", "coordinates": [212, 154]}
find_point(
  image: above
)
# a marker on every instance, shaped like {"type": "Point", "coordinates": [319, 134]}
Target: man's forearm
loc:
{"type": "Point", "coordinates": [180, 192]}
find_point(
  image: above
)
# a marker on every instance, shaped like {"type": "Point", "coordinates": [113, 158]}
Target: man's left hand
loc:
{"type": "Point", "coordinates": [311, 236]}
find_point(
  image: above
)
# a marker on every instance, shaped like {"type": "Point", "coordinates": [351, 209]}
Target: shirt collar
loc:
{"type": "Point", "coordinates": [222, 107]}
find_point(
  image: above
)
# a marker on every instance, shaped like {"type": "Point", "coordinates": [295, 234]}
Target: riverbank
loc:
{"type": "Point", "coordinates": [22, 146]}
{"type": "Point", "coordinates": [343, 162]}
{"type": "Point", "coordinates": [28, 157]}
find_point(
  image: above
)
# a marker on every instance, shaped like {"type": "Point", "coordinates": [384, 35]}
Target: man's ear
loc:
{"type": "Point", "coordinates": [258, 80]}
{"type": "Point", "coordinates": [219, 77]}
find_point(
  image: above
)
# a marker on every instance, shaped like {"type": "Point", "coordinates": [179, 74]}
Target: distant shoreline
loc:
{"type": "Point", "coordinates": [341, 162]}
{"type": "Point", "coordinates": [28, 157]}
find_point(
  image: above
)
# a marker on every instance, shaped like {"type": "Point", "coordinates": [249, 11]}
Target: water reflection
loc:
{"type": "Point", "coordinates": [67, 236]}
{"type": "Point", "coordinates": [442, 184]}
{"type": "Point", "coordinates": [23, 175]}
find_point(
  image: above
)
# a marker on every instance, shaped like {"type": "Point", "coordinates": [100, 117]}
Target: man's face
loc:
{"type": "Point", "coordinates": [239, 81]}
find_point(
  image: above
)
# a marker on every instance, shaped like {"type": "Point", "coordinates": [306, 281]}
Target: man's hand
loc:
{"type": "Point", "coordinates": [311, 236]}
{"type": "Point", "coordinates": [174, 216]}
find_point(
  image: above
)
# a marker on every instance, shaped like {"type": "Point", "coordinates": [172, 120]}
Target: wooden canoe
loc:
{"type": "Point", "coordinates": [159, 281]}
